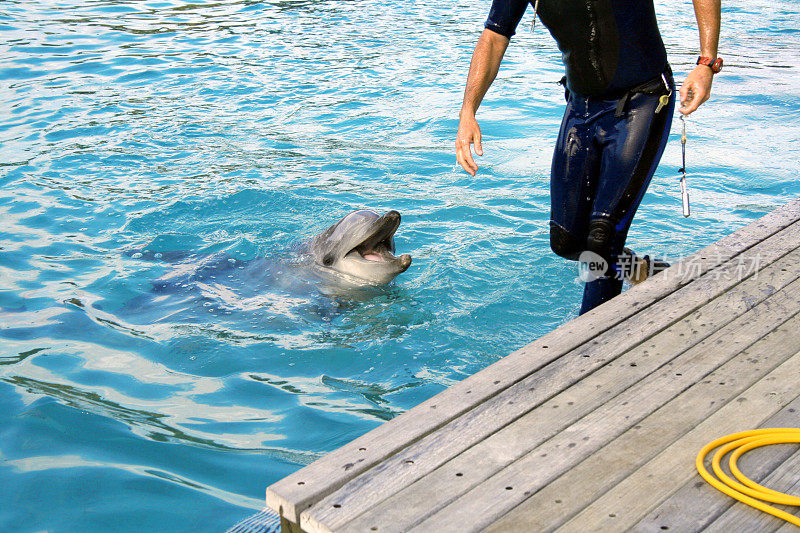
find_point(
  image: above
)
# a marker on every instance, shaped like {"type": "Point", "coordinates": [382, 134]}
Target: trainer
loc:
{"type": "Point", "coordinates": [620, 102]}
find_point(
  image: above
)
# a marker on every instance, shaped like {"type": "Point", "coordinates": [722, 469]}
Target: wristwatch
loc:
{"type": "Point", "coordinates": [714, 63]}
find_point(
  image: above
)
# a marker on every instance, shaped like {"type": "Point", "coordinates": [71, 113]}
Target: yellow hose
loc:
{"type": "Point", "coordinates": [748, 491]}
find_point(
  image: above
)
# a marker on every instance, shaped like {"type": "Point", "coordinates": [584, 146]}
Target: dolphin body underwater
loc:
{"type": "Point", "coordinates": [347, 262]}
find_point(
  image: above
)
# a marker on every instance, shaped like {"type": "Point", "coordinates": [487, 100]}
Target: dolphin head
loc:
{"type": "Point", "coordinates": [361, 245]}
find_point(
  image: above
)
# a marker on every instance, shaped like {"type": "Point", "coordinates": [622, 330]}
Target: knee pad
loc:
{"type": "Point", "coordinates": [601, 237]}
{"type": "Point", "coordinates": [563, 243]}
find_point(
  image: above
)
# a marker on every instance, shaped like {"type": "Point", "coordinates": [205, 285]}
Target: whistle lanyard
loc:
{"type": "Point", "coordinates": [535, 9]}
{"type": "Point", "coordinates": [682, 170]}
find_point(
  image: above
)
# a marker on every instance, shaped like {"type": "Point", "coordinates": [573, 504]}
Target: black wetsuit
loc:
{"type": "Point", "coordinates": [611, 138]}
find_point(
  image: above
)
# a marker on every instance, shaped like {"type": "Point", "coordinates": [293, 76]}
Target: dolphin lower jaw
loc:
{"type": "Point", "coordinates": [353, 265]}
{"type": "Point", "coordinates": [374, 265]}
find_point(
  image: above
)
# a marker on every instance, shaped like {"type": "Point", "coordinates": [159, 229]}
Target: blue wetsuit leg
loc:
{"type": "Point", "coordinates": [601, 168]}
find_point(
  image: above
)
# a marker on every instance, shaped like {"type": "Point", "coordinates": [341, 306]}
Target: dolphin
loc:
{"type": "Point", "coordinates": [319, 278]}
{"type": "Point", "coordinates": [360, 248]}
{"type": "Point", "coordinates": [344, 263]}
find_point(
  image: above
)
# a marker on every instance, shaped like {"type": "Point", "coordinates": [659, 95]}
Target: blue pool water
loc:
{"type": "Point", "coordinates": [243, 127]}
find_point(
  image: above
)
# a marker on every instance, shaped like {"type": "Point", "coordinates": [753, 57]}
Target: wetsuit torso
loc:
{"type": "Point", "coordinates": [608, 46]}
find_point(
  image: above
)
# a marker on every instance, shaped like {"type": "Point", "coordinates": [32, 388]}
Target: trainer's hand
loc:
{"type": "Point", "coordinates": [468, 132]}
{"type": "Point", "coordinates": [696, 89]}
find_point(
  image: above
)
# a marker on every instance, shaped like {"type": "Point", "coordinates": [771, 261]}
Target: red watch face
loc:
{"type": "Point", "coordinates": [716, 66]}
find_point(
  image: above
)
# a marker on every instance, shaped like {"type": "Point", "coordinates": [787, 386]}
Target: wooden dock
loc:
{"type": "Point", "coordinates": [595, 426]}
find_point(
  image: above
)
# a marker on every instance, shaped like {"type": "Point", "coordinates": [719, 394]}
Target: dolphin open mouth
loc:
{"type": "Point", "coordinates": [378, 246]}
{"type": "Point", "coordinates": [375, 253]}
{"type": "Point", "coordinates": [361, 246]}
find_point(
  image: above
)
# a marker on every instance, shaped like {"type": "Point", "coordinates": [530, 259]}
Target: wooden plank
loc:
{"type": "Point", "coordinates": [413, 503]}
{"type": "Point", "coordinates": [741, 516]}
{"type": "Point", "coordinates": [392, 475]}
{"type": "Point", "coordinates": [297, 492]}
{"type": "Point", "coordinates": [626, 503]}
{"type": "Point", "coordinates": [491, 499]}
{"type": "Point", "coordinates": [696, 503]}
{"type": "Point", "coordinates": [595, 475]}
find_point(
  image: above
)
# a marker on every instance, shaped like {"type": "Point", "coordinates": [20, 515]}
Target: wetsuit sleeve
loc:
{"type": "Point", "coordinates": [504, 16]}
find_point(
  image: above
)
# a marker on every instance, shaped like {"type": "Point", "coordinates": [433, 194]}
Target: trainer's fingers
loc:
{"type": "Point", "coordinates": [689, 98]}
{"type": "Point", "coordinates": [696, 96]}
{"type": "Point", "coordinates": [478, 147]}
{"type": "Point", "coordinates": [461, 161]}
{"type": "Point", "coordinates": [684, 92]}
{"type": "Point", "coordinates": [464, 157]}
{"type": "Point", "coordinates": [473, 167]}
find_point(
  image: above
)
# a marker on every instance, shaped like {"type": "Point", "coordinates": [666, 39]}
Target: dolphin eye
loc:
{"type": "Point", "coordinates": [327, 260]}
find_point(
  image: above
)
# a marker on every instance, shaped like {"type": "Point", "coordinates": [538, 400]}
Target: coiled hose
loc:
{"type": "Point", "coordinates": [748, 491]}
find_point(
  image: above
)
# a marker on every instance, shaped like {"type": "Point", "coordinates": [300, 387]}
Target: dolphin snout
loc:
{"type": "Point", "coordinates": [405, 261]}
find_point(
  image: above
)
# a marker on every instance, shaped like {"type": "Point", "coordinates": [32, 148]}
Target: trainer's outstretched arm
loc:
{"type": "Point", "coordinates": [697, 87]}
{"type": "Point", "coordinates": [482, 71]}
